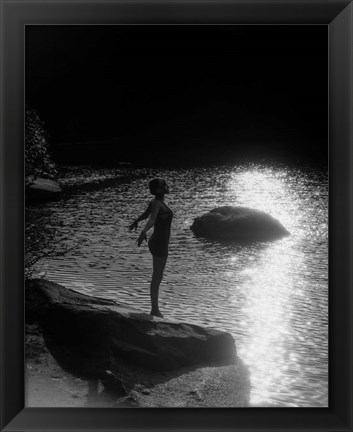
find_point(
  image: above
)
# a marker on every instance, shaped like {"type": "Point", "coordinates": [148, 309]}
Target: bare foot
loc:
{"type": "Point", "coordinates": [157, 314]}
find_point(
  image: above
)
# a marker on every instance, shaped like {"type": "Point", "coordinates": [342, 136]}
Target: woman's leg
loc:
{"type": "Point", "coordinates": [157, 275]}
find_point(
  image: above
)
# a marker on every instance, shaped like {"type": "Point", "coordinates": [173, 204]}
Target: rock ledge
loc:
{"type": "Point", "coordinates": [133, 354]}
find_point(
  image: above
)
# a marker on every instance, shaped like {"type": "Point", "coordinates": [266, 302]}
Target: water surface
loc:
{"type": "Point", "coordinates": [272, 297]}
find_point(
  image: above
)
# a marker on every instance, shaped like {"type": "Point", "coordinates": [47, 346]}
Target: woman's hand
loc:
{"type": "Point", "coordinates": [142, 237]}
{"type": "Point", "coordinates": [133, 226]}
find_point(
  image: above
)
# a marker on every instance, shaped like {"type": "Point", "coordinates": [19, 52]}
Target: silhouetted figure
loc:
{"type": "Point", "coordinates": [160, 217]}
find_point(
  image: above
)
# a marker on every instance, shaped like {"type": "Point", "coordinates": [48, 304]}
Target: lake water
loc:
{"type": "Point", "coordinates": [272, 297]}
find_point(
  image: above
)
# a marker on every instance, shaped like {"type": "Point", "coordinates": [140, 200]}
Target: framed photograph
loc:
{"type": "Point", "coordinates": [176, 215]}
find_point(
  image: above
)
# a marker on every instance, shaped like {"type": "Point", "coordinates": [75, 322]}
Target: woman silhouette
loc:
{"type": "Point", "coordinates": [160, 217]}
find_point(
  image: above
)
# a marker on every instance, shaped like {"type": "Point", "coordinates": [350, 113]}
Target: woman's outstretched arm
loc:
{"type": "Point", "coordinates": [151, 221]}
{"type": "Point", "coordinates": [142, 217]}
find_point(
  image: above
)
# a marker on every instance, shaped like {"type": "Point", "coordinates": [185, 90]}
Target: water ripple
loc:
{"type": "Point", "coordinates": [272, 297]}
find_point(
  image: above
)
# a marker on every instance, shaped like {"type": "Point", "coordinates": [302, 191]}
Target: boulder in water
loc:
{"type": "Point", "coordinates": [229, 223]}
{"type": "Point", "coordinates": [43, 189]}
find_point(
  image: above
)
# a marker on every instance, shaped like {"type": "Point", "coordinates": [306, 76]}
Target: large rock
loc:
{"type": "Point", "coordinates": [88, 335]}
{"type": "Point", "coordinates": [48, 385]}
{"type": "Point", "coordinates": [43, 189]}
{"type": "Point", "coordinates": [230, 223]}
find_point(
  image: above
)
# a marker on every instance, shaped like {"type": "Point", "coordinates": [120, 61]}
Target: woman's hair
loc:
{"type": "Point", "coordinates": [155, 184]}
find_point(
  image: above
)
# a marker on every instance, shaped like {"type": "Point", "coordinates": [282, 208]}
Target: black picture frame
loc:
{"type": "Point", "coordinates": [338, 15]}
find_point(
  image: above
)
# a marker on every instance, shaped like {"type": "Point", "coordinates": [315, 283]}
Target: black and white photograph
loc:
{"type": "Point", "coordinates": [176, 216]}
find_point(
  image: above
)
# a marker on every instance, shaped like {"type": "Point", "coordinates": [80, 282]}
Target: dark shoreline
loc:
{"type": "Point", "coordinates": [175, 157]}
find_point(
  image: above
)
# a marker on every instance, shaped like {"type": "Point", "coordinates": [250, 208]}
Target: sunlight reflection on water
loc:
{"type": "Point", "coordinates": [272, 297]}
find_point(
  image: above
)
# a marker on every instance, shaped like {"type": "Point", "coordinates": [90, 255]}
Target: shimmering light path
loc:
{"type": "Point", "coordinates": [272, 297]}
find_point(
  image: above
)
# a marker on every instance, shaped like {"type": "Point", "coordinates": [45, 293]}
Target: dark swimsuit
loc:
{"type": "Point", "coordinates": [158, 243]}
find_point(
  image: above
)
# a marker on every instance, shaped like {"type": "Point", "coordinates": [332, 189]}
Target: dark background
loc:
{"type": "Point", "coordinates": [180, 95]}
